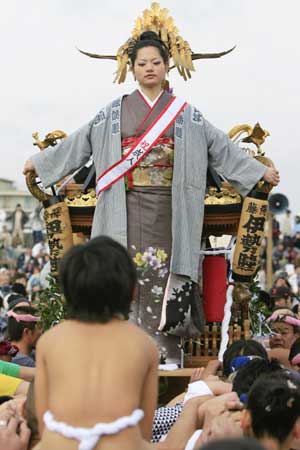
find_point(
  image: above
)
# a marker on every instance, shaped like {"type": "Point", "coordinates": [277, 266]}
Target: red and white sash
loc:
{"type": "Point", "coordinates": [142, 146]}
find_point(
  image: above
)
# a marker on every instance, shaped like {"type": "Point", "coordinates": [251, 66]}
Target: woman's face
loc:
{"type": "Point", "coordinates": [149, 68]}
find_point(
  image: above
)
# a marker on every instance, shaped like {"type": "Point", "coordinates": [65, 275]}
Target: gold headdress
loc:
{"type": "Point", "coordinates": [159, 21]}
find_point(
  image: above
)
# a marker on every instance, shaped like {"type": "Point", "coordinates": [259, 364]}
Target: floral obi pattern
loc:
{"type": "Point", "coordinates": [156, 169]}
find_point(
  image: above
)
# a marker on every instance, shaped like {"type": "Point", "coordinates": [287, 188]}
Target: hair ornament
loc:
{"type": "Point", "coordinates": [159, 21]}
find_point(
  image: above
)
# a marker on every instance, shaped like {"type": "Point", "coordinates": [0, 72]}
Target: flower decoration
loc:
{"type": "Point", "coordinates": [139, 260]}
{"type": "Point", "coordinates": [151, 263]}
{"type": "Point", "coordinates": [157, 290]}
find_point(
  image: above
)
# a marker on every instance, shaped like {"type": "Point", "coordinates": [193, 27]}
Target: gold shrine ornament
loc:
{"type": "Point", "coordinates": [56, 211]}
{"type": "Point", "coordinates": [59, 230]}
{"type": "Point", "coordinates": [254, 213]}
{"type": "Point", "coordinates": [157, 19]}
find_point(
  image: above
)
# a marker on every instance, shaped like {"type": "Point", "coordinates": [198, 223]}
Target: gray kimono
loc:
{"type": "Point", "coordinates": [197, 144]}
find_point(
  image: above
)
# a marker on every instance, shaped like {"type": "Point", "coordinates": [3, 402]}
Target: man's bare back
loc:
{"type": "Point", "coordinates": [89, 373]}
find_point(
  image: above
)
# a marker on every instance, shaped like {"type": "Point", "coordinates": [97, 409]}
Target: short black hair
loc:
{"type": "Point", "coordinates": [14, 328]}
{"type": "Point", "coordinates": [19, 288]}
{"type": "Point", "coordinates": [233, 444]}
{"type": "Point", "coordinates": [14, 298]}
{"type": "Point", "coordinates": [247, 374]}
{"type": "Point", "coordinates": [149, 39]}
{"type": "Point", "coordinates": [242, 348]}
{"type": "Point", "coordinates": [98, 279]}
{"type": "Point", "coordinates": [274, 406]}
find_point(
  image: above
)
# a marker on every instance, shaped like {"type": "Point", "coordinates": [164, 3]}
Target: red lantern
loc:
{"type": "Point", "coordinates": [214, 287]}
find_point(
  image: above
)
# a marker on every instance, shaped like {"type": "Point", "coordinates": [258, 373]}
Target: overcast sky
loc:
{"type": "Point", "coordinates": [46, 84]}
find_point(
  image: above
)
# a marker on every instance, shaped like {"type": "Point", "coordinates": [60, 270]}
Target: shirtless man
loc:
{"type": "Point", "coordinates": [109, 376]}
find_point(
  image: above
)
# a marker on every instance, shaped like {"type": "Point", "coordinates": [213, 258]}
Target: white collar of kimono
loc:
{"type": "Point", "coordinates": [148, 100]}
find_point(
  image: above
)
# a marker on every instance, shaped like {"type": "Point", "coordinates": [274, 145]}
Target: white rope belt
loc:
{"type": "Point", "coordinates": [89, 437]}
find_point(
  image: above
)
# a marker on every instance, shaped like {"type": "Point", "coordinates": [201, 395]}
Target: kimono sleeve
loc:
{"type": "Point", "coordinates": [54, 163]}
{"type": "Point", "coordinates": [235, 165]}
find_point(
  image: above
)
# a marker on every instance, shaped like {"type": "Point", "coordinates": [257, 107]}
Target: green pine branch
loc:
{"type": "Point", "coordinates": [52, 306]}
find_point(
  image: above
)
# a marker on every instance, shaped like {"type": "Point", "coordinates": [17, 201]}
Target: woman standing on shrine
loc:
{"type": "Point", "coordinates": [151, 151]}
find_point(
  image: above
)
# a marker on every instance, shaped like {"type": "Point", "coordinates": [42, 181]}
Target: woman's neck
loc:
{"type": "Point", "coordinates": [151, 92]}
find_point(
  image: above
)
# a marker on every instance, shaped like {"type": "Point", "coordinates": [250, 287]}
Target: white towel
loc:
{"type": "Point", "coordinates": [197, 389]}
{"type": "Point", "coordinates": [168, 367]}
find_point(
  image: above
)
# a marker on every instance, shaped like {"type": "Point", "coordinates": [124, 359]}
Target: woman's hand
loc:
{"type": "Point", "coordinates": [272, 176]}
{"type": "Point", "coordinates": [29, 167]}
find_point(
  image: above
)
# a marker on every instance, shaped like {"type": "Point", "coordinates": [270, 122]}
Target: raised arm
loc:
{"type": "Point", "coordinates": [54, 163]}
{"type": "Point", "coordinates": [235, 165]}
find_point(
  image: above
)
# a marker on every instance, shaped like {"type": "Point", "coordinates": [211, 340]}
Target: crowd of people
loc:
{"type": "Point", "coordinates": [285, 251]}
{"type": "Point", "coordinates": [250, 401]}
{"type": "Point", "coordinates": [241, 402]}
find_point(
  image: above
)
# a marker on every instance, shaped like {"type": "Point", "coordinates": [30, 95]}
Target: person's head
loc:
{"type": "Point", "coordinates": [4, 277]}
{"type": "Point", "coordinates": [281, 295]}
{"type": "Point", "coordinates": [285, 329]}
{"type": "Point", "coordinates": [280, 247]}
{"type": "Point", "coordinates": [23, 326]}
{"type": "Point", "coordinates": [272, 410]}
{"type": "Point", "coordinates": [248, 373]}
{"type": "Point", "coordinates": [242, 348]}
{"type": "Point", "coordinates": [19, 288]}
{"type": "Point", "coordinates": [15, 299]}
{"type": "Point", "coordinates": [149, 60]}
{"type": "Point", "coordinates": [282, 279]}
{"type": "Point", "coordinates": [20, 277]}
{"type": "Point", "coordinates": [98, 279]}
{"type": "Point", "coordinates": [233, 444]}
{"type": "Point", "coordinates": [265, 298]}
